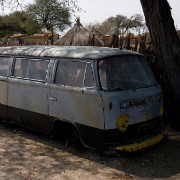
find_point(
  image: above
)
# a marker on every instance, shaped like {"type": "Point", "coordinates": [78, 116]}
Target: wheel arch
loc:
{"type": "Point", "coordinates": [60, 128]}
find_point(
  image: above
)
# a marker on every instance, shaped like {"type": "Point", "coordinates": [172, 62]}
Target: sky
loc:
{"type": "Point", "coordinates": [94, 11]}
{"type": "Point", "coordinates": [100, 10]}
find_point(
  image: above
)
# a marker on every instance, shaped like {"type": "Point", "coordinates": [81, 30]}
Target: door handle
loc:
{"type": "Point", "coordinates": [53, 98]}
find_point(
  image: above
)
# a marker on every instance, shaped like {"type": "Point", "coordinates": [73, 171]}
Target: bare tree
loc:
{"type": "Point", "coordinates": [10, 4]}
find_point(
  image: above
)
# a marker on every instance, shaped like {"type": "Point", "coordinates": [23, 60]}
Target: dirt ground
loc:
{"type": "Point", "coordinates": [26, 155]}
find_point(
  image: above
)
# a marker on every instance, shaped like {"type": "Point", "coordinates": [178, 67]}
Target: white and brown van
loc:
{"type": "Point", "coordinates": [107, 98]}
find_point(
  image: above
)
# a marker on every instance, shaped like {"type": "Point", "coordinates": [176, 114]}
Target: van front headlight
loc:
{"type": "Point", "coordinates": [122, 123]}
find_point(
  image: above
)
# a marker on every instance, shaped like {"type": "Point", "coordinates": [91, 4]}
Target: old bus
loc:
{"type": "Point", "coordinates": [106, 98]}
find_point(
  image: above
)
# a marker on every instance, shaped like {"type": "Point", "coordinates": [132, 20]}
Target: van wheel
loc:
{"type": "Point", "coordinates": [74, 140]}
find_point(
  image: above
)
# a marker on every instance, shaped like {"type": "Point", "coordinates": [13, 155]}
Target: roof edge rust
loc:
{"type": "Point", "coordinates": [86, 52]}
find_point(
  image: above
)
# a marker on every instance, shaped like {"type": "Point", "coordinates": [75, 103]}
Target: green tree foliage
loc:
{"type": "Point", "coordinates": [51, 14]}
{"type": "Point", "coordinates": [120, 24]}
{"type": "Point", "coordinates": [117, 23]}
{"type": "Point", "coordinates": [18, 22]}
{"type": "Point", "coordinates": [135, 22]}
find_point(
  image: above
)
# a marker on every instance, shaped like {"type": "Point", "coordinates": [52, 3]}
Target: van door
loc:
{"type": "Point", "coordinates": [73, 98]}
{"type": "Point", "coordinates": [4, 66]}
{"type": "Point", "coordinates": [28, 93]}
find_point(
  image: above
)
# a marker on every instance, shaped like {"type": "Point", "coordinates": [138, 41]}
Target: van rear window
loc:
{"type": "Point", "coordinates": [32, 69]}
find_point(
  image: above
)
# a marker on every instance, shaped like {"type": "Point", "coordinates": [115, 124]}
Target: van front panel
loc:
{"type": "Point", "coordinates": [137, 113]}
{"type": "Point", "coordinates": [132, 99]}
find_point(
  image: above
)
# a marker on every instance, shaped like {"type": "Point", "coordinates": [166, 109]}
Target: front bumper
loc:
{"type": "Point", "coordinates": [143, 144]}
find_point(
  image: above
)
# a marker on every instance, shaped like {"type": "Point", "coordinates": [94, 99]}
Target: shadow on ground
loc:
{"type": "Point", "coordinates": [26, 154]}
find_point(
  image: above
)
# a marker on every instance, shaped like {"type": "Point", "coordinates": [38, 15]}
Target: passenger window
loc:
{"type": "Point", "coordinates": [37, 70]}
{"type": "Point", "coordinates": [70, 73]}
{"type": "Point", "coordinates": [4, 66]}
{"type": "Point", "coordinates": [32, 69]}
{"type": "Point", "coordinates": [20, 68]}
{"type": "Point", "coordinates": [89, 79]}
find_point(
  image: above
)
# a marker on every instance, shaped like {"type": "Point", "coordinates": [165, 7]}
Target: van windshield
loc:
{"type": "Point", "coordinates": [125, 73]}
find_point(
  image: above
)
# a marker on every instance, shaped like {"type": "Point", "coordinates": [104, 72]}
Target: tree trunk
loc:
{"type": "Point", "coordinates": [167, 46]}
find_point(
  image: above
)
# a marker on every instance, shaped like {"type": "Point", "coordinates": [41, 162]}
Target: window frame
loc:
{"type": "Point", "coordinates": [9, 63]}
{"type": "Point", "coordinates": [89, 87]}
{"type": "Point", "coordinates": [31, 59]}
{"type": "Point", "coordinates": [73, 60]}
{"type": "Point", "coordinates": [128, 89]}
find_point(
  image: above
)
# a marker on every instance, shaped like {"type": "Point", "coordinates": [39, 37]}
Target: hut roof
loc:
{"type": "Point", "coordinates": [79, 36]}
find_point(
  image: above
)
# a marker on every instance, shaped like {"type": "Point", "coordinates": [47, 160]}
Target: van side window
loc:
{"type": "Point", "coordinates": [4, 66]}
{"type": "Point", "coordinates": [32, 69]}
{"type": "Point", "coordinates": [70, 73]}
{"type": "Point", "coordinates": [20, 68]}
{"type": "Point", "coordinates": [89, 79]}
{"type": "Point", "coordinates": [37, 70]}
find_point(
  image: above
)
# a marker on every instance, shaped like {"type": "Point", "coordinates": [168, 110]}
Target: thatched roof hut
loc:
{"type": "Point", "coordinates": [79, 36]}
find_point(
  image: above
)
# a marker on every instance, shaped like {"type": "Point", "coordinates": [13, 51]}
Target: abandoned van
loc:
{"type": "Point", "coordinates": [105, 98]}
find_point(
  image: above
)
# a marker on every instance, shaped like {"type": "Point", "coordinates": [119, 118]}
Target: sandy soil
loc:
{"type": "Point", "coordinates": [25, 155]}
